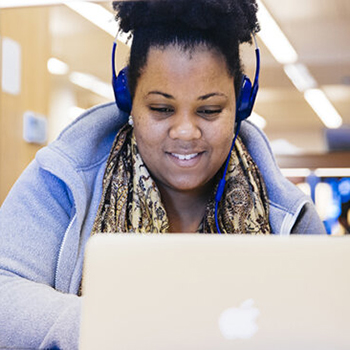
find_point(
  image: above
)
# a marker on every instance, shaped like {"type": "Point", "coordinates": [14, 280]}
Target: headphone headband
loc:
{"type": "Point", "coordinates": [244, 104]}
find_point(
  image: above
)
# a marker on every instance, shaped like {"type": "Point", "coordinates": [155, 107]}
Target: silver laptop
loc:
{"type": "Point", "coordinates": [192, 291]}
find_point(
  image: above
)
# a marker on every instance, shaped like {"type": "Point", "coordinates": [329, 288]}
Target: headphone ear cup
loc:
{"type": "Point", "coordinates": [121, 91]}
{"type": "Point", "coordinates": [243, 104]}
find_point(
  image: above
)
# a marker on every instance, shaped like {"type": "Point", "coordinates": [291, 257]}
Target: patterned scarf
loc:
{"type": "Point", "coordinates": [131, 201]}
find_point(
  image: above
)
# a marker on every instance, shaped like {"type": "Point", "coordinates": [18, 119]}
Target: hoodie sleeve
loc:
{"type": "Point", "coordinates": [33, 221]}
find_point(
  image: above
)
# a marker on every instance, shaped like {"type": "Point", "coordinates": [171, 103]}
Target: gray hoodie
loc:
{"type": "Point", "coordinates": [47, 218]}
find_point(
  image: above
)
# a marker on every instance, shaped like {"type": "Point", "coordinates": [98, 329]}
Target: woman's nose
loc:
{"type": "Point", "coordinates": [185, 128]}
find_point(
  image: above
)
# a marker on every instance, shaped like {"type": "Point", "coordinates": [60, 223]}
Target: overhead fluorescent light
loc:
{"type": "Point", "coordinates": [96, 14]}
{"type": "Point", "coordinates": [100, 17]}
{"type": "Point", "coordinates": [93, 84]}
{"type": "Point", "coordinates": [25, 3]}
{"type": "Point", "coordinates": [258, 120]}
{"type": "Point", "coordinates": [320, 172]}
{"type": "Point", "coordinates": [296, 172]}
{"type": "Point", "coordinates": [332, 172]}
{"type": "Point", "coordinates": [283, 147]}
{"type": "Point", "coordinates": [300, 76]}
{"type": "Point", "coordinates": [28, 3]}
{"type": "Point", "coordinates": [273, 37]}
{"type": "Point", "coordinates": [57, 67]}
{"type": "Point", "coordinates": [323, 108]}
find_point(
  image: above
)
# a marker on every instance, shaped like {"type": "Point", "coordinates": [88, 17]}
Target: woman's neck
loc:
{"type": "Point", "coordinates": [185, 210]}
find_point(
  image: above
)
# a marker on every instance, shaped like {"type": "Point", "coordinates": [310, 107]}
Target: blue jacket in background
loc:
{"type": "Point", "coordinates": [47, 218]}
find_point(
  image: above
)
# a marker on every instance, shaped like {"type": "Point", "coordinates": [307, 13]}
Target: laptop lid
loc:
{"type": "Point", "coordinates": [192, 291]}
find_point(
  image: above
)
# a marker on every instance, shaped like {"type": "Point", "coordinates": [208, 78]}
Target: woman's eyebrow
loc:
{"type": "Point", "coordinates": [162, 94]}
{"type": "Point", "coordinates": [205, 97]}
{"type": "Point", "coordinates": [201, 98]}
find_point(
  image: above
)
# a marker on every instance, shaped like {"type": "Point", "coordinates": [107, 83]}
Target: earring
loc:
{"type": "Point", "coordinates": [131, 121]}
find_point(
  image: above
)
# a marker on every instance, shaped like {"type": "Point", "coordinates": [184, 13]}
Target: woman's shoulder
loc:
{"type": "Point", "coordinates": [256, 141]}
{"type": "Point", "coordinates": [87, 141]}
{"type": "Point", "coordinates": [287, 202]}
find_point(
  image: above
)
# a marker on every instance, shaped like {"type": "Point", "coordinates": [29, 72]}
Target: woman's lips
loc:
{"type": "Point", "coordinates": [185, 160]}
{"type": "Point", "coordinates": [184, 156]}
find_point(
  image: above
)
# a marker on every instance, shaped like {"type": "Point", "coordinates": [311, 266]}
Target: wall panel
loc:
{"type": "Point", "coordinates": [30, 28]}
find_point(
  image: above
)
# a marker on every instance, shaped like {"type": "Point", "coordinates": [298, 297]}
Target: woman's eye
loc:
{"type": "Point", "coordinates": [162, 110]}
{"type": "Point", "coordinates": [210, 112]}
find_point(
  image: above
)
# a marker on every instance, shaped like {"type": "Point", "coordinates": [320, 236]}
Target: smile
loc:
{"type": "Point", "coordinates": [184, 156]}
{"type": "Point", "coordinates": [186, 160]}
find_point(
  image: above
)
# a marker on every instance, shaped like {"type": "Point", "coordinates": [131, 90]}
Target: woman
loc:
{"type": "Point", "coordinates": [159, 174]}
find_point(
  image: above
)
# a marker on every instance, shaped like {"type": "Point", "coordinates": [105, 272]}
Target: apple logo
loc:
{"type": "Point", "coordinates": [239, 323]}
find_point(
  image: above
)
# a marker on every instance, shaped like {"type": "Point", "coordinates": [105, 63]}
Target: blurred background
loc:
{"type": "Point", "coordinates": [56, 63]}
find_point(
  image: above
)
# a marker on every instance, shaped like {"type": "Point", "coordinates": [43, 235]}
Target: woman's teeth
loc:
{"type": "Point", "coordinates": [185, 156]}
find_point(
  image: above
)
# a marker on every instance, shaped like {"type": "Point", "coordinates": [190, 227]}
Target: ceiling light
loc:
{"type": "Point", "coordinates": [274, 39]}
{"type": "Point", "coordinates": [57, 67]}
{"type": "Point", "coordinates": [296, 172]}
{"type": "Point", "coordinates": [300, 76]}
{"type": "Point", "coordinates": [320, 172]}
{"type": "Point", "coordinates": [24, 3]}
{"type": "Point", "coordinates": [283, 147]}
{"type": "Point", "coordinates": [96, 14]}
{"type": "Point", "coordinates": [323, 108]}
{"type": "Point", "coordinates": [92, 83]}
{"type": "Point", "coordinates": [332, 172]}
{"type": "Point", "coordinates": [27, 3]}
{"type": "Point", "coordinates": [99, 16]}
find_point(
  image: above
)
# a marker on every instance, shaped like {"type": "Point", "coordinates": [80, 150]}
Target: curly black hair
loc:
{"type": "Point", "coordinates": [218, 24]}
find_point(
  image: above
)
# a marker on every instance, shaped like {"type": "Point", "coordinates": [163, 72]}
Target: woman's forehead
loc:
{"type": "Point", "coordinates": [185, 75]}
{"type": "Point", "coordinates": [175, 59]}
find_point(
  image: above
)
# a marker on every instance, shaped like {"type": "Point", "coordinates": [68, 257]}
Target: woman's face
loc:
{"type": "Point", "coordinates": [183, 111]}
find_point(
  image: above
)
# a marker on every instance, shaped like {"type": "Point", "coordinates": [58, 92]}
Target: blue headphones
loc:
{"type": "Point", "coordinates": [244, 107]}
